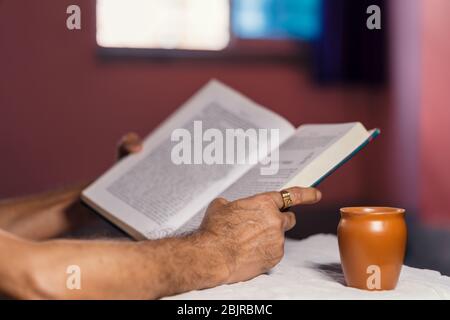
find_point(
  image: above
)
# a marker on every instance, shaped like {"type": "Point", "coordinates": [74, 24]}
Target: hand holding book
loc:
{"type": "Point", "coordinates": [252, 225]}
{"type": "Point", "coordinates": [133, 194]}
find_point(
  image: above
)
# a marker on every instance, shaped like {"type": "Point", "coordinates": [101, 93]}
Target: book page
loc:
{"type": "Point", "coordinates": [296, 154]}
{"type": "Point", "coordinates": [150, 196]}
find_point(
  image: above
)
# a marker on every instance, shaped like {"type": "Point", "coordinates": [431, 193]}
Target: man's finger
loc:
{"type": "Point", "coordinates": [130, 143]}
{"type": "Point", "coordinates": [298, 196]}
{"type": "Point", "coordinates": [289, 220]}
{"type": "Point", "coordinates": [217, 203]}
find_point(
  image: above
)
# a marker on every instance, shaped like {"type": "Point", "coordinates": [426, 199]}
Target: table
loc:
{"type": "Point", "coordinates": [311, 269]}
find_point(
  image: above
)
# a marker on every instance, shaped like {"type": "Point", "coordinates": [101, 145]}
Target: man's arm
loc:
{"type": "Point", "coordinates": [54, 213]}
{"type": "Point", "coordinates": [237, 241]}
{"type": "Point", "coordinates": [45, 215]}
{"type": "Point", "coordinates": [110, 269]}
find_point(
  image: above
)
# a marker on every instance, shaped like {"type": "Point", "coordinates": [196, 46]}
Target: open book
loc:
{"type": "Point", "coordinates": [152, 194]}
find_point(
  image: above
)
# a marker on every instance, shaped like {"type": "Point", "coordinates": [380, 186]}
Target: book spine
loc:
{"type": "Point", "coordinates": [375, 134]}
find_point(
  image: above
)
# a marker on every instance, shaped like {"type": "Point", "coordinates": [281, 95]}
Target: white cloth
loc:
{"type": "Point", "coordinates": [311, 269]}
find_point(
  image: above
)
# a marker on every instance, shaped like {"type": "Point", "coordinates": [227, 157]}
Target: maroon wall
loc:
{"type": "Point", "coordinates": [402, 174]}
{"type": "Point", "coordinates": [62, 108]}
{"type": "Point", "coordinates": [435, 112]}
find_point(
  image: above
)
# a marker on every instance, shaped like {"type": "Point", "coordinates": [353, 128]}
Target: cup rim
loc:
{"type": "Point", "coordinates": [371, 210]}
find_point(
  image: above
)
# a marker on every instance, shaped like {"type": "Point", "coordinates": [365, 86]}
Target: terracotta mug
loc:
{"type": "Point", "coordinates": [372, 244]}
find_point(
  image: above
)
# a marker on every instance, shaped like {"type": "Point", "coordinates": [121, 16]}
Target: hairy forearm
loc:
{"type": "Point", "coordinates": [124, 270]}
{"type": "Point", "coordinates": [44, 215]}
{"type": "Point", "coordinates": [14, 266]}
{"type": "Point", "coordinates": [190, 263]}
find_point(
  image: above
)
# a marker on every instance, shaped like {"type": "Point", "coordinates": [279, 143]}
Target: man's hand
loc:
{"type": "Point", "coordinates": [250, 232]}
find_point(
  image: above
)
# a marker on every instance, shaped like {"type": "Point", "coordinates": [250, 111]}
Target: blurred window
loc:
{"type": "Point", "coordinates": [163, 24]}
{"type": "Point", "coordinates": [203, 24]}
{"type": "Point", "coordinates": [276, 19]}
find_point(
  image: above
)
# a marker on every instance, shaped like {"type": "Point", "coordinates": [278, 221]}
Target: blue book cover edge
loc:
{"type": "Point", "coordinates": [375, 133]}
